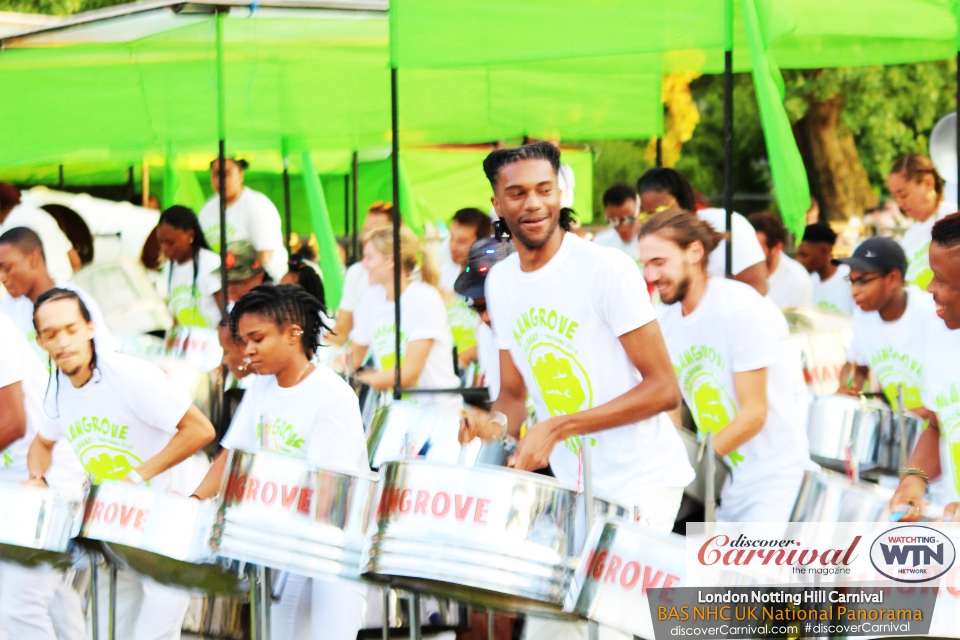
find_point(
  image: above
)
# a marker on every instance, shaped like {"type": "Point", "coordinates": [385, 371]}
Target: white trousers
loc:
{"type": "Point", "coordinates": [39, 604]}
{"type": "Point", "coordinates": [770, 500]}
{"type": "Point", "coordinates": [314, 609]}
{"type": "Point", "coordinates": [146, 610]}
{"type": "Point", "coordinates": [658, 510]}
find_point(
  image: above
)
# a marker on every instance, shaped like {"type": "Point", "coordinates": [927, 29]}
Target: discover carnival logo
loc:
{"type": "Point", "coordinates": [912, 553]}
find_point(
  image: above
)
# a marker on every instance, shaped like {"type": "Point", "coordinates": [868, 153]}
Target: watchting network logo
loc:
{"type": "Point", "coordinates": [912, 553]}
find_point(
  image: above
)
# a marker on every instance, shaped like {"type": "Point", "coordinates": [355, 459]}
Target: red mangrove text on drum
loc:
{"type": "Point", "coordinates": [125, 516]}
{"type": "Point", "coordinates": [439, 505]}
{"type": "Point", "coordinates": [721, 549]}
{"type": "Point", "coordinates": [613, 569]}
{"type": "Point", "coordinates": [269, 493]}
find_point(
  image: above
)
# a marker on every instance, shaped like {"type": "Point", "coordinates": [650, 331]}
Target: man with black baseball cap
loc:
{"type": "Point", "coordinates": [889, 324]}
{"type": "Point", "coordinates": [470, 284]}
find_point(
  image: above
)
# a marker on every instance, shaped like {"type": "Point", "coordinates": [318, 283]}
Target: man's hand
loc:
{"type": "Point", "coordinates": [844, 390]}
{"type": "Point", "coordinates": [35, 482]}
{"type": "Point", "coordinates": [475, 423]}
{"type": "Point", "coordinates": [951, 513]}
{"type": "Point", "coordinates": [534, 449]}
{"type": "Point", "coordinates": [909, 498]}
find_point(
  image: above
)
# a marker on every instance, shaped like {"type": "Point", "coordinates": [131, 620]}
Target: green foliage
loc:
{"type": "Point", "coordinates": [616, 161]}
{"type": "Point", "coordinates": [56, 7]}
{"type": "Point", "coordinates": [889, 110]}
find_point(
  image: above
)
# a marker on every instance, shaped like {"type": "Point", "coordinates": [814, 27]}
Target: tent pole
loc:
{"type": "Point", "coordinates": [354, 246]}
{"type": "Point", "coordinates": [659, 151]}
{"type": "Point", "coordinates": [728, 132]}
{"type": "Point", "coordinates": [346, 206]}
{"type": "Point", "coordinates": [395, 175]}
{"type": "Point", "coordinates": [222, 179]}
{"type": "Point", "coordinates": [958, 112]}
{"type": "Point", "coordinates": [60, 183]}
{"type": "Point", "coordinates": [286, 200]}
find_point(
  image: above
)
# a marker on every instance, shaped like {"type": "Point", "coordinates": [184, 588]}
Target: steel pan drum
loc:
{"type": "Point", "coordinates": [160, 535]}
{"type": "Point", "coordinates": [830, 497]}
{"type": "Point", "coordinates": [697, 489]}
{"type": "Point", "coordinates": [618, 564]}
{"type": "Point", "coordinates": [842, 428]}
{"type": "Point", "coordinates": [281, 513]}
{"type": "Point", "coordinates": [37, 526]}
{"type": "Point", "coordinates": [402, 423]}
{"type": "Point", "coordinates": [484, 535]}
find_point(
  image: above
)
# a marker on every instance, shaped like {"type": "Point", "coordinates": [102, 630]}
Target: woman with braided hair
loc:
{"type": "Point", "coordinates": [192, 271]}
{"type": "Point", "coordinates": [308, 413]}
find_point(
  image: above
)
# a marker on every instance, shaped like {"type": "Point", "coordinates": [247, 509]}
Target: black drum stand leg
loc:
{"type": "Point", "coordinates": [385, 631]}
{"type": "Point", "coordinates": [94, 598]}
{"type": "Point", "coordinates": [259, 602]}
{"type": "Point", "coordinates": [415, 632]}
{"type": "Point", "coordinates": [491, 631]}
{"type": "Point", "coordinates": [112, 614]}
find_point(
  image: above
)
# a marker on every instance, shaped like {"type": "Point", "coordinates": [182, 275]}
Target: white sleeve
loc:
{"type": "Point", "coordinates": [341, 416]}
{"type": "Point", "coordinates": [752, 328]}
{"type": "Point", "coordinates": [351, 288]}
{"type": "Point", "coordinates": [240, 435]}
{"type": "Point", "coordinates": [620, 295]}
{"type": "Point", "coordinates": [263, 223]}
{"type": "Point", "coordinates": [431, 320]}
{"type": "Point", "coordinates": [151, 397]}
{"type": "Point", "coordinates": [11, 368]}
{"type": "Point", "coordinates": [857, 351]}
{"type": "Point", "coordinates": [208, 273]}
{"type": "Point", "coordinates": [362, 332]}
{"type": "Point", "coordinates": [55, 242]}
{"type": "Point", "coordinates": [491, 286]}
{"type": "Point", "coordinates": [746, 248]}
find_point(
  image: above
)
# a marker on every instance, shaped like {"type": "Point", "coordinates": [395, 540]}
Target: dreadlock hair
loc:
{"type": "Point", "coordinates": [184, 219]}
{"type": "Point", "coordinates": [52, 295]}
{"type": "Point", "coordinates": [946, 232]}
{"type": "Point", "coordinates": [284, 304]}
{"type": "Point", "coordinates": [684, 228]}
{"type": "Point", "coordinates": [536, 151]}
{"type": "Point", "coordinates": [310, 281]}
{"type": "Point", "coordinates": [667, 180]}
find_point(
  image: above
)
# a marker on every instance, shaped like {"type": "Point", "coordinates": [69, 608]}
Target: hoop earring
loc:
{"type": "Point", "coordinates": [297, 331]}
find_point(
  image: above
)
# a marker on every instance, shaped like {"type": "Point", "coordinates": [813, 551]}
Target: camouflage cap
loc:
{"type": "Point", "coordinates": [242, 261]}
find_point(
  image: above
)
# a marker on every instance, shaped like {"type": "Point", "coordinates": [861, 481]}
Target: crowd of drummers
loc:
{"type": "Point", "coordinates": [581, 341]}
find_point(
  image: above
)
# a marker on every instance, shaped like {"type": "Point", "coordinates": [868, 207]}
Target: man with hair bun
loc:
{"type": "Point", "coordinates": [726, 343]}
{"type": "Point", "coordinates": [831, 291]}
{"type": "Point", "coordinates": [938, 450]}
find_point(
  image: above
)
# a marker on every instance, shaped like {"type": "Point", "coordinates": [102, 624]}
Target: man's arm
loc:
{"type": "Point", "coordinates": [13, 417]}
{"type": "Point", "coordinates": [911, 490]}
{"type": "Point", "coordinates": [413, 363]}
{"type": "Point", "coordinates": [511, 401]}
{"type": "Point", "coordinates": [39, 457]}
{"type": "Point", "coordinates": [755, 276]}
{"type": "Point", "coordinates": [656, 393]}
{"type": "Point", "coordinates": [74, 259]}
{"type": "Point", "coordinates": [194, 432]}
{"type": "Point", "coordinates": [341, 330]}
{"type": "Point", "coordinates": [210, 484]}
{"type": "Point", "coordinates": [751, 389]}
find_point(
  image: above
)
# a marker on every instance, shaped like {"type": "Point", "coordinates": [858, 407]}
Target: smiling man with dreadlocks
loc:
{"type": "Point", "coordinates": [302, 410]}
{"type": "Point", "coordinates": [125, 421]}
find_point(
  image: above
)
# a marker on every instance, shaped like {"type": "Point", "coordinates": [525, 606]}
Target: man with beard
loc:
{"type": "Point", "coordinates": [938, 449]}
{"type": "Point", "coordinates": [576, 328]}
{"type": "Point", "coordinates": [726, 342]}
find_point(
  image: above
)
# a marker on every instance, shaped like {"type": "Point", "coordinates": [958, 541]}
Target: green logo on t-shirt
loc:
{"type": "Point", "coordinates": [212, 235]}
{"type": "Point", "coordinates": [893, 368]}
{"type": "Point", "coordinates": [463, 324]}
{"type": "Point", "coordinates": [948, 415]}
{"type": "Point", "coordinates": [283, 438]}
{"type": "Point", "coordinates": [700, 371]}
{"type": "Point", "coordinates": [185, 305]}
{"type": "Point", "coordinates": [919, 272]}
{"type": "Point", "coordinates": [102, 448]}
{"type": "Point", "coordinates": [385, 347]}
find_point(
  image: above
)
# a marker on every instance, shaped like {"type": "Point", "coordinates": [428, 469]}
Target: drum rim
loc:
{"type": "Point", "coordinates": [488, 469]}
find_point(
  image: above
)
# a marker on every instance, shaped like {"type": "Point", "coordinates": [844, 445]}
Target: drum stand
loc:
{"type": "Point", "coordinates": [95, 596]}
{"type": "Point", "coordinates": [593, 628]}
{"type": "Point", "coordinates": [260, 595]}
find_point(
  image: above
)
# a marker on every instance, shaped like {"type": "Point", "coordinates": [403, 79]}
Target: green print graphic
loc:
{"type": "Point", "coordinates": [948, 415]}
{"type": "Point", "coordinates": [108, 466]}
{"type": "Point", "coordinates": [463, 324]}
{"type": "Point", "coordinates": [102, 448]}
{"type": "Point", "coordinates": [282, 437]}
{"type": "Point", "coordinates": [828, 306]}
{"type": "Point", "coordinates": [919, 272]}
{"type": "Point", "coordinates": [384, 346]}
{"type": "Point", "coordinates": [893, 368]}
{"type": "Point", "coordinates": [212, 235]}
{"type": "Point", "coordinates": [185, 301]}
{"type": "Point", "coordinates": [700, 370]}
{"type": "Point", "coordinates": [6, 458]}
{"type": "Point", "coordinates": [562, 382]}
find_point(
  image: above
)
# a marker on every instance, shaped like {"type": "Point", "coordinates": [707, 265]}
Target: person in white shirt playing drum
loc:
{"type": "Point", "coordinates": [831, 291]}
{"type": "Point", "coordinates": [310, 414]}
{"type": "Point", "coordinates": [621, 208]}
{"type": "Point", "coordinates": [788, 283]}
{"type": "Point", "coordinates": [665, 188]}
{"type": "Point", "coordinates": [251, 217]}
{"type": "Point", "coordinates": [125, 422]}
{"type": "Point", "coordinates": [192, 271]}
{"type": "Point", "coordinates": [726, 343]}
{"type": "Point", "coordinates": [889, 325]}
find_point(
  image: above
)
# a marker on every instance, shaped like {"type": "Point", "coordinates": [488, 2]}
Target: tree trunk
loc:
{"type": "Point", "coordinates": [837, 178]}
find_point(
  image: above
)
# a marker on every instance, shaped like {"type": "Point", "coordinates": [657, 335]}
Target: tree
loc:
{"type": "Point", "coordinates": [56, 7]}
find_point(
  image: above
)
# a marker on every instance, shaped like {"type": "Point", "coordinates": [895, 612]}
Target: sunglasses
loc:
{"type": "Point", "coordinates": [616, 223]}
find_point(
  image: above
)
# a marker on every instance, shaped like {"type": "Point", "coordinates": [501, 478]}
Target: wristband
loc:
{"type": "Point", "coordinates": [499, 418]}
{"type": "Point", "coordinates": [134, 477]}
{"type": "Point", "coordinates": [913, 471]}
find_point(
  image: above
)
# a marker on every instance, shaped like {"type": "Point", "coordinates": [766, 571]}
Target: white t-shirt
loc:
{"type": "Point", "coordinates": [610, 238]}
{"type": "Point", "coordinates": [317, 420]}
{"type": "Point", "coordinates": [561, 325]}
{"type": "Point", "coordinates": [423, 316]}
{"type": "Point", "coordinates": [356, 281]}
{"type": "Point", "coordinates": [746, 248]}
{"type": "Point", "coordinates": [940, 387]}
{"type": "Point", "coordinates": [123, 416]}
{"type": "Point", "coordinates": [461, 318]}
{"type": "Point", "coordinates": [20, 310]}
{"type": "Point", "coordinates": [894, 351]}
{"type": "Point", "coordinates": [734, 329]}
{"type": "Point", "coordinates": [55, 242]}
{"type": "Point", "coordinates": [17, 364]}
{"type": "Point", "coordinates": [254, 218]}
{"type": "Point", "coordinates": [916, 245]}
{"type": "Point", "coordinates": [194, 306]}
{"type": "Point", "coordinates": [834, 294]}
{"type": "Point", "coordinates": [488, 355]}
{"type": "Point", "coordinates": [790, 285]}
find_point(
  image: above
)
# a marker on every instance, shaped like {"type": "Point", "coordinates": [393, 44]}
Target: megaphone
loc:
{"type": "Point", "coordinates": [943, 147]}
